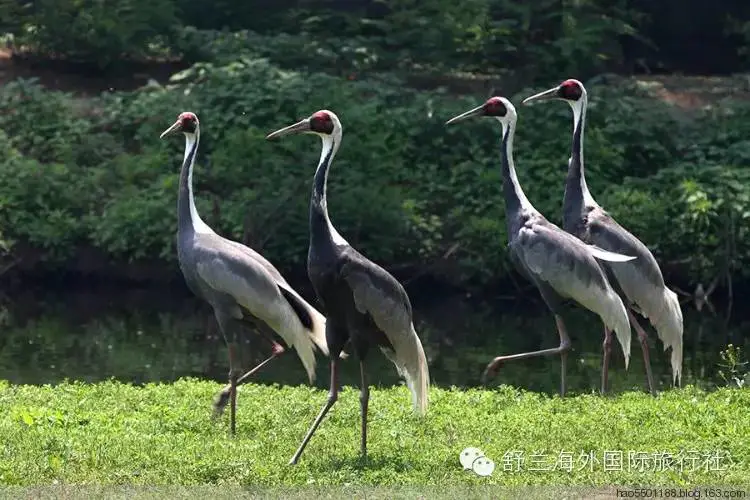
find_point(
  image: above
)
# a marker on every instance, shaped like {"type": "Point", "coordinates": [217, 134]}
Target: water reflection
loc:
{"type": "Point", "coordinates": [143, 335]}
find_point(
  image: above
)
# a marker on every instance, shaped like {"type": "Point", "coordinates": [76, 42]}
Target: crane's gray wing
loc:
{"type": "Point", "coordinates": [641, 282]}
{"type": "Point", "coordinates": [606, 233]}
{"type": "Point", "coordinates": [380, 295]}
{"type": "Point", "coordinates": [235, 274]}
{"type": "Point", "coordinates": [567, 265]}
{"type": "Point", "coordinates": [231, 269]}
{"type": "Point", "coordinates": [257, 258]}
{"type": "Point", "coordinates": [558, 259]}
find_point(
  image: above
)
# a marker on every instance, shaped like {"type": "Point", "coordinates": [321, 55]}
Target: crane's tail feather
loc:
{"type": "Point", "coordinates": [312, 320]}
{"type": "Point", "coordinates": [311, 335]}
{"type": "Point", "coordinates": [669, 328]}
{"type": "Point", "coordinates": [318, 332]}
{"type": "Point", "coordinates": [617, 320]}
{"type": "Point", "coordinates": [411, 364]}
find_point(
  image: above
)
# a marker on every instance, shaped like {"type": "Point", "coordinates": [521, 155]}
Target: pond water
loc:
{"type": "Point", "coordinates": [147, 334]}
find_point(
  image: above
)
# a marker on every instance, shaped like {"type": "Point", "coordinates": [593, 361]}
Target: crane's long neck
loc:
{"type": "Point", "coordinates": [321, 228]}
{"type": "Point", "coordinates": [515, 199]}
{"type": "Point", "coordinates": [187, 214]}
{"type": "Point", "coordinates": [577, 195]}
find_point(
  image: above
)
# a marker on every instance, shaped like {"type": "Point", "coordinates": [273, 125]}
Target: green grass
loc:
{"type": "Point", "coordinates": [162, 434]}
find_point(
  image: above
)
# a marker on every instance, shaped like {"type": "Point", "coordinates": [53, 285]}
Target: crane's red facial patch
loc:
{"type": "Point", "coordinates": [321, 123]}
{"type": "Point", "coordinates": [188, 122]}
{"type": "Point", "coordinates": [570, 90]}
{"type": "Point", "coordinates": [495, 107]}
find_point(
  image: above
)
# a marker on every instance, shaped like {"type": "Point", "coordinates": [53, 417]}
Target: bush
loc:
{"type": "Point", "coordinates": [404, 188]}
{"type": "Point", "coordinates": [97, 31]}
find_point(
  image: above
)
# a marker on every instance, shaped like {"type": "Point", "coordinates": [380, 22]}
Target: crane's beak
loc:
{"type": "Point", "coordinates": [298, 128]}
{"type": "Point", "coordinates": [543, 96]}
{"type": "Point", "coordinates": [478, 111]}
{"type": "Point", "coordinates": [176, 127]}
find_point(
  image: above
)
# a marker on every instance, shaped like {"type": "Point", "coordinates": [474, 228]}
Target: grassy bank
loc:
{"type": "Point", "coordinates": [112, 433]}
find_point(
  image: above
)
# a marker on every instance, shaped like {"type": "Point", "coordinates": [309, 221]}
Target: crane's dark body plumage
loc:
{"type": "Point", "coordinates": [335, 283]}
{"type": "Point", "coordinates": [639, 282]}
{"type": "Point", "coordinates": [597, 227]}
{"type": "Point", "coordinates": [363, 303]}
{"type": "Point", "coordinates": [560, 265]}
{"type": "Point", "coordinates": [336, 270]}
{"type": "Point", "coordinates": [238, 283]}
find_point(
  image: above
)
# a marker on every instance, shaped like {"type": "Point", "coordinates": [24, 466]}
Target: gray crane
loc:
{"type": "Point", "coordinates": [238, 283]}
{"type": "Point", "coordinates": [639, 282]}
{"type": "Point", "coordinates": [363, 303]}
{"type": "Point", "coordinates": [558, 264]}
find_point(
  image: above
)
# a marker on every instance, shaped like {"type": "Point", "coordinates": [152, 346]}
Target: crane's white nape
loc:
{"type": "Point", "coordinates": [579, 112]}
{"type": "Point", "coordinates": [331, 143]}
{"type": "Point", "coordinates": [511, 115]}
{"type": "Point", "coordinates": [191, 144]}
{"type": "Point", "coordinates": [508, 123]}
{"type": "Point", "coordinates": [331, 139]}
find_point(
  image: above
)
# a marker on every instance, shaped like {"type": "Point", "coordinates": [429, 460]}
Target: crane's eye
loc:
{"type": "Point", "coordinates": [570, 90]}
{"type": "Point", "coordinates": [321, 122]}
{"type": "Point", "coordinates": [188, 121]}
{"type": "Point", "coordinates": [495, 107]}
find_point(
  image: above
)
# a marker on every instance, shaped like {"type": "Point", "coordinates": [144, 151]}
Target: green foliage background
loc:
{"type": "Point", "coordinates": [81, 173]}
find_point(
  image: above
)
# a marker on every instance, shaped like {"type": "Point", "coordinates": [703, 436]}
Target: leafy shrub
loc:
{"type": "Point", "coordinates": [97, 31]}
{"type": "Point", "coordinates": [43, 204]}
{"type": "Point", "coordinates": [404, 188]}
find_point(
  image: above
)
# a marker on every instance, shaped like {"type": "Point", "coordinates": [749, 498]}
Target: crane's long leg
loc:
{"type": "Point", "coordinates": [333, 394]}
{"type": "Point", "coordinates": [234, 372]}
{"type": "Point", "coordinates": [364, 398]}
{"type": "Point", "coordinates": [562, 350]}
{"type": "Point", "coordinates": [606, 351]}
{"type": "Point", "coordinates": [229, 327]}
{"type": "Point", "coordinates": [223, 397]}
{"type": "Point", "coordinates": [643, 338]}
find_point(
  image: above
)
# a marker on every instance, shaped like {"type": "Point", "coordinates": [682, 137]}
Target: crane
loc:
{"type": "Point", "coordinates": [639, 282]}
{"type": "Point", "coordinates": [363, 303]}
{"type": "Point", "coordinates": [558, 264]}
{"type": "Point", "coordinates": [238, 283]}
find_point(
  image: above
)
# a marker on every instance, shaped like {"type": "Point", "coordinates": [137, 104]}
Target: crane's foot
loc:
{"type": "Point", "coordinates": [491, 369]}
{"type": "Point", "coordinates": [220, 403]}
{"type": "Point", "coordinates": [233, 403]}
{"type": "Point", "coordinates": [277, 349]}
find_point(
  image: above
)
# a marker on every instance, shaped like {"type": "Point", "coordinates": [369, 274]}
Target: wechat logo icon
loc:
{"type": "Point", "coordinates": [473, 459]}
